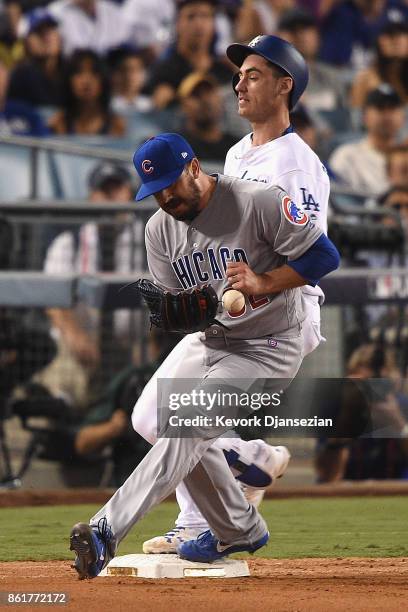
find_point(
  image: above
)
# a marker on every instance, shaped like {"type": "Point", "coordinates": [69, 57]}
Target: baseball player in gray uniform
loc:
{"type": "Point", "coordinates": [227, 233]}
{"type": "Point", "coordinates": [272, 77]}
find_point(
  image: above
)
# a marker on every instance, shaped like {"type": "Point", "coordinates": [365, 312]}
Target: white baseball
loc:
{"type": "Point", "coordinates": [233, 301]}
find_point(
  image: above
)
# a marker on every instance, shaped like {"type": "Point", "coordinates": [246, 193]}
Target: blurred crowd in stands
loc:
{"type": "Point", "coordinates": [121, 70]}
{"type": "Point", "coordinates": [101, 67]}
{"type": "Point", "coordinates": [126, 69]}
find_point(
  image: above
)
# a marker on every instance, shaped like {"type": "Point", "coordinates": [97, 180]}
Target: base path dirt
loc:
{"type": "Point", "coordinates": [278, 585]}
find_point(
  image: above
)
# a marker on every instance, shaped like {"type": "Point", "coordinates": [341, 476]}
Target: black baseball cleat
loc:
{"type": "Point", "coordinates": [93, 547]}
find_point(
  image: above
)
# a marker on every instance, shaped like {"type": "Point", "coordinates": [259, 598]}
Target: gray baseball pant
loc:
{"type": "Point", "coordinates": [195, 461]}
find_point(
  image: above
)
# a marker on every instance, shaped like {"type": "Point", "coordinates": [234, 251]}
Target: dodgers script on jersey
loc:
{"type": "Point", "coordinates": [290, 163]}
{"type": "Point", "coordinates": [243, 221]}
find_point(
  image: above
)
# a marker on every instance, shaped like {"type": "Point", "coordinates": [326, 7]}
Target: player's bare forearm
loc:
{"type": "Point", "coordinates": [242, 278]}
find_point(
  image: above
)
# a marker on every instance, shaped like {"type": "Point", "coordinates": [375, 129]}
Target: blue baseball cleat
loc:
{"type": "Point", "coordinates": [93, 548]}
{"type": "Point", "coordinates": [206, 548]}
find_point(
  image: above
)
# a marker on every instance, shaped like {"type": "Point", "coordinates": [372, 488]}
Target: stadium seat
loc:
{"type": "Point", "coordinates": [342, 138]}
{"type": "Point", "coordinates": [15, 165]}
{"type": "Point", "coordinates": [338, 119]}
{"type": "Point", "coordinates": [71, 171]}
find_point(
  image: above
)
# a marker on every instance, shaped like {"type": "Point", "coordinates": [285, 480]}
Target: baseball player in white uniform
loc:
{"type": "Point", "coordinates": [223, 232]}
{"type": "Point", "coordinates": [272, 77]}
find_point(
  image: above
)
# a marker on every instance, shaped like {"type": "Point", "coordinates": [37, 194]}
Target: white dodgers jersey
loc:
{"type": "Point", "coordinates": [290, 163]}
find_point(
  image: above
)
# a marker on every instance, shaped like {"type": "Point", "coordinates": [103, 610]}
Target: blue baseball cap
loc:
{"type": "Point", "coordinates": [38, 18]}
{"type": "Point", "coordinates": [160, 161]}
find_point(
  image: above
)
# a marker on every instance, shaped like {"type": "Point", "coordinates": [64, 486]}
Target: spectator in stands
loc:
{"type": "Point", "coordinates": [201, 120]}
{"type": "Point", "coordinates": [397, 166]}
{"type": "Point", "coordinates": [37, 80]}
{"type": "Point", "coordinates": [89, 249]}
{"type": "Point", "coordinates": [95, 435]}
{"type": "Point", "coordinates": [304, 126]}
{"type": "Point", "coordinates": [11, 47]}
{"type": "Point", "coordinates": [193, 51]}
{"type": "Point", "coordinates": [260, 17]}
{"type": "Point", "coordinates": [150, 24]}
{"type": "Point", "coordinates": [325, 90]}
{"type": "Point", "coordinates": [109, 422]}
{"type": "Point", "coordinates": [339, 458]}
{"type": "Point", "coordinates": [396, 198]}
{"type": "Point", "coordinates": [128, 79]}
{"type": "Point", "coordinates": [312, 131]}
{"type": "Point", "coordinates": [390, 64]}
{"type": "Point", "coordinates": [361, 165]}
{"type": "Point", "coordinates": [86, 99]}
{"type": "Point", "coordinates": [350, 28]}
{"type": "Point", "coordinates": [89, 24]}
{"type": "Point", "coordinates": [18, 117]}
{"type": "Point", "coordinates": [314, 6]}
{"type": "Point", "coordinates": [24, 349]}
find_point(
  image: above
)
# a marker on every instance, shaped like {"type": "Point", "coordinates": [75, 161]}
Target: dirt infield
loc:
{"type": "Point", "coordinates": [312, 584]}
{"type": "Point", "coordinates": [279, 585]}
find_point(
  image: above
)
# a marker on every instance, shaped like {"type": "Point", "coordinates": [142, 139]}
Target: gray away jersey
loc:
{"type": "Point", "coordinates": [243, 221]}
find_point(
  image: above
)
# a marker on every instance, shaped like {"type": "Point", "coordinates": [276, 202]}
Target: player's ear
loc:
{"type": "Point", "coordinates": [195, 167]}
{"type": "Point", "coordinates": [286, 84]}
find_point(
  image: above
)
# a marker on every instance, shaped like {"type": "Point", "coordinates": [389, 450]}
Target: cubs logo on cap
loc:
{"type": "Point", "coordinates": [293, 213]}
{"type": "Point", "coordinates": [147, 166]}
{"type": "Point", "coordinates": [160, 161]}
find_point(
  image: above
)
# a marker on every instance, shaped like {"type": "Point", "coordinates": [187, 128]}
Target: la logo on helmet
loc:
{"type": "Point", "coordinates": [147, 166]}
{"type": "Point", "coordinates": [293, 213]}
{"type": "Point", "coordinates": [254, 41]}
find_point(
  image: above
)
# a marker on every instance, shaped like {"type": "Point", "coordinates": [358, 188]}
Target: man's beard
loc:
{"type": "Point", "coordinates": [193, 203]}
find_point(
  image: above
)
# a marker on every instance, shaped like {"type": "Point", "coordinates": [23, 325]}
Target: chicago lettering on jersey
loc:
{"type": "Point", "coordinates": [202, 267]}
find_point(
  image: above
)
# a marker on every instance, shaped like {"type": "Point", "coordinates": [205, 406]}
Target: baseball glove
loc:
{"type": "Point", "coordinates": [186, 311]}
